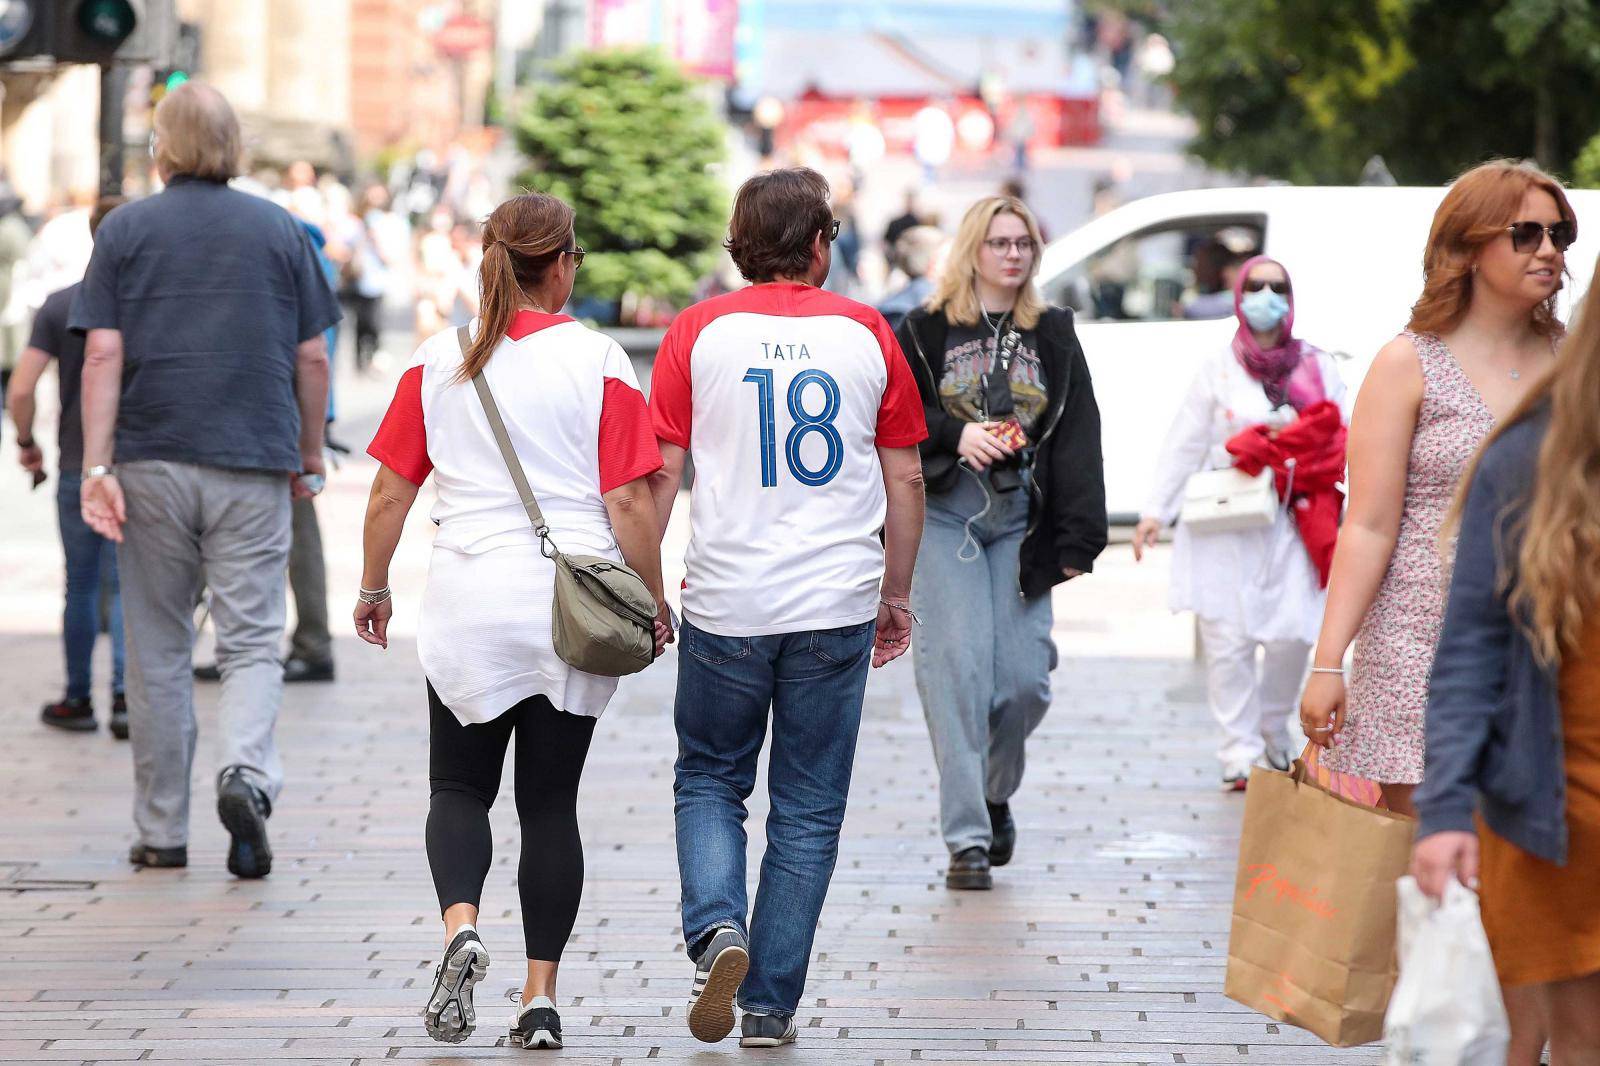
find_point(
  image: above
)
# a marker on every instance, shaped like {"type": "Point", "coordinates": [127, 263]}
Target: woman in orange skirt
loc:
{"type": "Point", "coordinates": [1510, 798]}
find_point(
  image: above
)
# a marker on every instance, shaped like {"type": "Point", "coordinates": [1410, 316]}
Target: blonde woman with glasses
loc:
{"type": "Point", "coordinates": [1016, 505]}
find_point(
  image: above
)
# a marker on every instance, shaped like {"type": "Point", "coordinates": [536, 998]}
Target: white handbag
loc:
{"type": "Point", "coordinates": [1227, 500]}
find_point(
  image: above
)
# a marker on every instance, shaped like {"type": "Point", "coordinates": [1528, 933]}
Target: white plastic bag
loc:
{"type": "Point", "coordinates": [1446, 1008]}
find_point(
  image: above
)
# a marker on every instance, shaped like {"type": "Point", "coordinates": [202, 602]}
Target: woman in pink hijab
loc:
{"type": "Point", "coordinates": [1257, 593]}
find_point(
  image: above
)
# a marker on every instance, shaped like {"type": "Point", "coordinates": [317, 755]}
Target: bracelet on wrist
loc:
{"type": "Point", "coordinates": [374, 596]}
{"type": "Point", "coordinates": [901, 607]}
{"type": "Point", "coordinates": [1328, 670]}
{"type": "Point", "coordinates": [96, 471]}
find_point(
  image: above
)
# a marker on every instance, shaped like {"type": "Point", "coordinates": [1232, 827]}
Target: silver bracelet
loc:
{"type": "Point", "coordinates": [901, 607]}
{"type": "Point", "coordinates": [374, 596]}
{"type": "Point", "coordinates": [1328, 670]}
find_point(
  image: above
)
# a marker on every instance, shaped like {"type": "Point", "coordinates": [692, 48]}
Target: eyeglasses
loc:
{"type": "Point", "coordinates": [577, 256]}
{"type": "Point", "coordinates": [830, 232]}
{"type": "Point", "coordinates": [1279, 287]}
{"type": "Point", "coordinates": [1529, 236]}
{"type": "Point", "coordinates": [1003, 245]}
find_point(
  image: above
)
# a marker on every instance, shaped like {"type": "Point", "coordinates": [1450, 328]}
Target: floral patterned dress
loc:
{"type": "Point", "coordinates": [1383, 734]}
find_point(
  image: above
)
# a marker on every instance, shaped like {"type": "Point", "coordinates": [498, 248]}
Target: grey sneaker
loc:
{"type": "Point", "coordinates": [450, 1016]}
{"type": "Point", "coordinates": [717, 977]}
{"type": "Point", "coordinates": [766, 1030]}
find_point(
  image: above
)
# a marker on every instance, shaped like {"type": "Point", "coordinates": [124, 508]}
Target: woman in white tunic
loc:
{"type": "Point", "coordinates": [579, 425]}
{"type": "Point", "coordinates": [1254, 588]}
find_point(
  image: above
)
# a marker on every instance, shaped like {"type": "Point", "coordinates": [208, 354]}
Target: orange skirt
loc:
{"type": "Point", "coordinates": [1543, 920]}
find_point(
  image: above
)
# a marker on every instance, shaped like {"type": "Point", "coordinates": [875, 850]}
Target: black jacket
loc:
{"type": "Point", "coordinates": [1067, 510]}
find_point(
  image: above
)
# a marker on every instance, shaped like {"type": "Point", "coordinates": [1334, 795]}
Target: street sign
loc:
{"type": "Point", "coordinates": [16, 19]}
{"type": "Point", "coordinates": [462, 36]}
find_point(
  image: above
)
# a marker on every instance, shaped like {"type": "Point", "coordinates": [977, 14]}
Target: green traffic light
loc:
{"type": "Point", "coordinates": [176, 78]}
{"type": "Point", "coordinates": [107, 20]}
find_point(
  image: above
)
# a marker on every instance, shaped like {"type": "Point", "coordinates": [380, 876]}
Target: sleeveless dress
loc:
{"type": "Point", "coordinates": [1383, 735]}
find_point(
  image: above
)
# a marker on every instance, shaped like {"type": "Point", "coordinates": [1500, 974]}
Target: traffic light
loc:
{"type": "Point", "coordinates": [87, 31]}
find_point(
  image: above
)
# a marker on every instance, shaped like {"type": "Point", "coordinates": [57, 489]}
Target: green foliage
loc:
{"type": "Point", "coordinates": [1307, 90]}
{"type": "Point", "coordinates": [628, 141]}
{"type": "Point", "coordinates": [1586, 169]}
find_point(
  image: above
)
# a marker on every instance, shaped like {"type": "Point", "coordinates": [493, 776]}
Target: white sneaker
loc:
{"type": "Point", "coordinates": [1235, 776]}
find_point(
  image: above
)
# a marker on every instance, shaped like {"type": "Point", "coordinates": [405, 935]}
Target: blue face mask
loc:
{"type": "Point", "coordinates": [1264, 309]}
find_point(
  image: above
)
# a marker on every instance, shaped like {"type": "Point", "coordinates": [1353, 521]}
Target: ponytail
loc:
{"type": "Point", "coordinates": [522, 240]}
{"type": "Point", "coordinates": [499, 295]}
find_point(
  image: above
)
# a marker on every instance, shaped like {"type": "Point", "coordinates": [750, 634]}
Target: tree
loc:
{"type": "Point", "coordinates": [629, 142]}
{"type": "Point", "coordinates": [1307, 91]}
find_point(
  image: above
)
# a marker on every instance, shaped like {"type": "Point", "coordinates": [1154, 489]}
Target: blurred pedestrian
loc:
{"type": "Point", "coordinates": [1510, 803]}
{"type": "Point", "coordinates": [217, 419]}
{"type": "Point", "coordinates": [373, 260]}
{"type": "Point", "coordinates": [1016, 505]}
{"type": "Point", "coordinates": [844, 272]}
{"type": "Point", "coordinates": [15, 236]}
{"type": "Point", "coordinates": [913, 215]}
{"type": "Point", "coordinates": [933, 138]}
{"type": "Point", "coordinates": [916, 252]}
{"type": "Point", "coordinates": [574, 411]}
{"type": "Point", "coordinates": [1255, 591]}
{"type": "Point", "coordinates": [1481, 333]}
{"type": "Point", "coordinates": [790, 591]}
{"type": "Point", "coordinates": [91, 560]}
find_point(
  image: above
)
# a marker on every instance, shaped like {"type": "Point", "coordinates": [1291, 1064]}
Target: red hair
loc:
{"type": "Point", "coordinates": [1477, 209]}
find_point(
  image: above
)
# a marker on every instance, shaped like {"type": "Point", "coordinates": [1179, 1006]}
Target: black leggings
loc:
{"type": "Point", "coordinates": [464, 764]}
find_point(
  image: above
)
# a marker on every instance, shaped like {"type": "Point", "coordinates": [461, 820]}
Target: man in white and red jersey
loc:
{"type": "Point", "coordinates": [803, 420]}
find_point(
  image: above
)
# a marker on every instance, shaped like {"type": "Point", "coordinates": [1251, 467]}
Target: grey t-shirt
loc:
{"type": "Point", "coordinates": [212, 289]}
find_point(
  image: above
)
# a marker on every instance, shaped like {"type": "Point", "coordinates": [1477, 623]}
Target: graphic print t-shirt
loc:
{"type": "Point", "coordinates": [782, 395]}
{"type": "Point", "coordinates": [969, 353]}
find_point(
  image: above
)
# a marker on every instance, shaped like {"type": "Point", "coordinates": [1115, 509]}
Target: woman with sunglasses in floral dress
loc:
{"type": "Point", "coordinates": [1482, 332]}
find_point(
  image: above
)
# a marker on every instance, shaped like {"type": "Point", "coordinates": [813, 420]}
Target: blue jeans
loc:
{"type": "Point", "coordinates": [91, 559]}
{"type": "Point", "coordinates": [813, 683]}
{"type": "Point", "coordinates": [984, 656]}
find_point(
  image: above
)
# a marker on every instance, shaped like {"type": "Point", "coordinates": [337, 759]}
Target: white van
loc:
{"type": "Point", "coordinates": [1354, 254]}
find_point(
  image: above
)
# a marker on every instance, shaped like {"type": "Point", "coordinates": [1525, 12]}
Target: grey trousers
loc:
{"type": "Point", "coordinates": [983, 656]}
{"type": "Point", "coordinates": [233, 526]}
{"type": "Point", "coordinates": [308, 579]}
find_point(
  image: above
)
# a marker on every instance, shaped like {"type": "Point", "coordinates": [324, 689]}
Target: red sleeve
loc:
{"type": "Point", "coordinates": [401, 443]}
{"type": "Point", "coordinates": [671, 399]}
{"type": "Point", "coordinates": [627, 442]}
{"type": "Point", "coordinates": [901, 423]}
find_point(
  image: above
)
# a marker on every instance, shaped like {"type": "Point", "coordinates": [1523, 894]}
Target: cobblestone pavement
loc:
{"type": "Point", "coordinates": [1104, 942]}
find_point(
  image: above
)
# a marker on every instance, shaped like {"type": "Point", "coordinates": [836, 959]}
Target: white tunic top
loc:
{"type": "Point", "coordinates": [1260, 581]}
{"type": "Point", "coordinates": [578, 422]}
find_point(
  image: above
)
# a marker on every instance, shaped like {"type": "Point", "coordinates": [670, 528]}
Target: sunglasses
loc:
{"type": "Point", "coordinates": [1279, 287]}
{"type": "Point", "coordinates": [1529, 236]}
{"type": "Point", "coordinates": [830, 232]}
{"type": "Point", "coordinates": [577, 256]}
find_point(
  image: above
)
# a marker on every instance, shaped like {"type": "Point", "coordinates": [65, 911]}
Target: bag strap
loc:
{"type": "Point", "coordinates": [497, 426]}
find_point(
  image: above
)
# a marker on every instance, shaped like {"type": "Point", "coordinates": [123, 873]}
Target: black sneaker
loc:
{"type": "Point", "coordinates": [168, 858]}
{"type": "Point", "coordinates": [717, 977]}
{"type": "Point", "coordinates": [295, 669]}
{"type": "Point", "coordinates": [76, 716]}
{"type": "Point", "coordinates": [537, 1025]}
{"type": "Point", "coordinates": [1002, 834]}
{"type": "Point", "coordinates": [208, 672]}
{"type": "Point", "coordinates": [244, 810]}
{"type": "Point", "coordinates": [969, 869]}
{"type": "Point", "coordinates": [119, 716]}
{"type": "Point", "coordinates": [766, 1030]}
{"type": "Point", "coordinates": [449, 1016]}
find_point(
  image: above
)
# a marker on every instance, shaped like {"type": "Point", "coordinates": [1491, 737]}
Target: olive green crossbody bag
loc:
{"type": "Point", "coordinates": [604, 615]}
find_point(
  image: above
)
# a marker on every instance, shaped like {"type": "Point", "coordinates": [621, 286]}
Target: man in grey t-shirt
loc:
{"type": "Point", "coordinates": [206, 380]}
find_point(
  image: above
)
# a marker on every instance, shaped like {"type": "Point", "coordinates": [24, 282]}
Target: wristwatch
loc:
{"type": "Point", "coordinates": [96, 471]}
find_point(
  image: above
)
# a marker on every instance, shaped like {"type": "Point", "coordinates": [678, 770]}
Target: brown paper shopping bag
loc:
{"type": "Point", "coordinates": [1313, 935]}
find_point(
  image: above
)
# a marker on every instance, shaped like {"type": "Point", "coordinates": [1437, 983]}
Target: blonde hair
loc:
{"type": "Point", "coordinates": [957, 292]}
{"type": "Point", "coordinates": [197, 134]}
